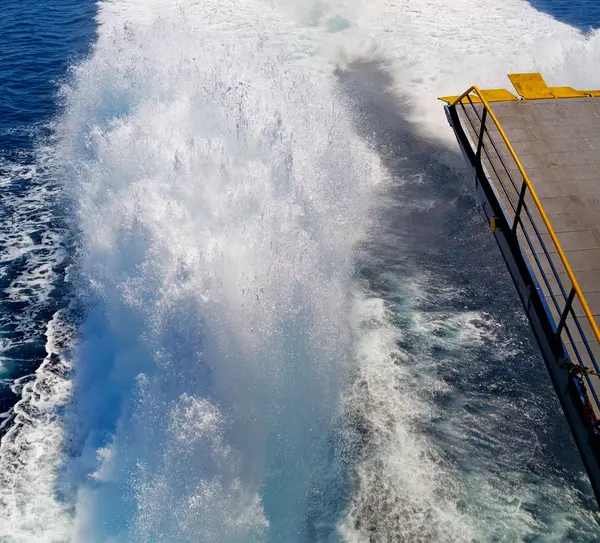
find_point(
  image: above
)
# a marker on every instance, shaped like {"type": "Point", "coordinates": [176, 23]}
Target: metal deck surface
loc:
{"type": "Point", "coordinates": [558, 143]}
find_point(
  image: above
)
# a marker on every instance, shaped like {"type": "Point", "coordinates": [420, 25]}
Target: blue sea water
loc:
{"type": "Point", "coordinates": [583, 14]}
{"type": "Point", "coordinates": [39, 41]}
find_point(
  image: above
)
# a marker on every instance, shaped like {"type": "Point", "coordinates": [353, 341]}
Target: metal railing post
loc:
{"type": "Point", "coordinates": [481, 133]}
{"type": "Point", "coordinates": [565, 313]}
{"type": "Point", "coordinates": [519, 207]}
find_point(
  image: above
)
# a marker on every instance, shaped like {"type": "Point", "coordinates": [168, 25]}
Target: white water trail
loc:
{"type": "Point", "coordinates": [219, 194]}
{"type": "Point", "coordinates": [32, 449]}
{"type": "Point", "coordinates": [438, 48]}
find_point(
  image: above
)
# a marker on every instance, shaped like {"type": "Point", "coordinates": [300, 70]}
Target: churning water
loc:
{"type": "Point", "coordinates": [274, 313]}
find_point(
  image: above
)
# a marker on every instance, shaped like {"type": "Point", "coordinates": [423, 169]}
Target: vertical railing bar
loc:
{"type": "Point", "coordinates": [581, 364]}
{"type": "Point", "coordinates": [565, 313]}
{"type": "Point", "coordinates": [583, 338]}
{"type": "Point", "coordinates": [519, 207]}
{"type": "Point", "coordinates": [481, 133]}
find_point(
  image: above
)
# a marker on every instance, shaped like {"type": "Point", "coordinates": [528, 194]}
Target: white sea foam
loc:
{"type": "Point", "coordinates": [30, 244]}
{"type": "Point", "coordinates": [31, 450]}
{"type": "Point", "coordinates": [220, 192]}
{"type": "Point", "coordinates": [441, 47]}
{"type": "Point", "coordinates": [31, 249]}
{"type": "Point", "coordinates": [402, 489]}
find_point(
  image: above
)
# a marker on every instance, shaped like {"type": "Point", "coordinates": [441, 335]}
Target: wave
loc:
{"type": "Point", "coordinates": [219, 195]}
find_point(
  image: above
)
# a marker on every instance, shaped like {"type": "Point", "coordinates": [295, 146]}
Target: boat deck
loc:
{"type": "Point", "coordinates": [536, 163]}
{"type": "Point", "coordinates": [558, 144]}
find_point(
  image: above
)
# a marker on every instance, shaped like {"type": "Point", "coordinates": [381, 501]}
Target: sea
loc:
{"type": "Point", "coordinates": [246, 291]}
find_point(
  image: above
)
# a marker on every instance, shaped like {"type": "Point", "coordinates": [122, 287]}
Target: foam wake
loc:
{"type": "Point", "coordinates": [32, 448]}
{"type": "Point", "coordinates": [219, 196]}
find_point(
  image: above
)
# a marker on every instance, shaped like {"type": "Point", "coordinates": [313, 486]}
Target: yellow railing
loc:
{"type": "Point", "coordinates": [538, 204]}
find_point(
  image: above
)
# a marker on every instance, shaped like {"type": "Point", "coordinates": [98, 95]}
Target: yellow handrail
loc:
{"type": "Point", "coordinates": [538, 203]}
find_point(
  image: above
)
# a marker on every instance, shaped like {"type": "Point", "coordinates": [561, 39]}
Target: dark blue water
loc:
{"type": "Point", "coordinates": [584, 14]}
{"type": "Point", "coordinates": [39, 39]}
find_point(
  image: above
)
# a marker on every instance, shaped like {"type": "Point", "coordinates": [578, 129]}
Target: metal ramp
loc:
{"type": "Point", "coordinates": [536, 166]}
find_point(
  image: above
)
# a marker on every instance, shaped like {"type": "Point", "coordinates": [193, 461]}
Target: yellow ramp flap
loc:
{"type": "Point", "coordinates": [492, 95]}
{"type": "Point", "coordinates": [531, 86]}
{"type": "Point", "coordinates": [567, 92]}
